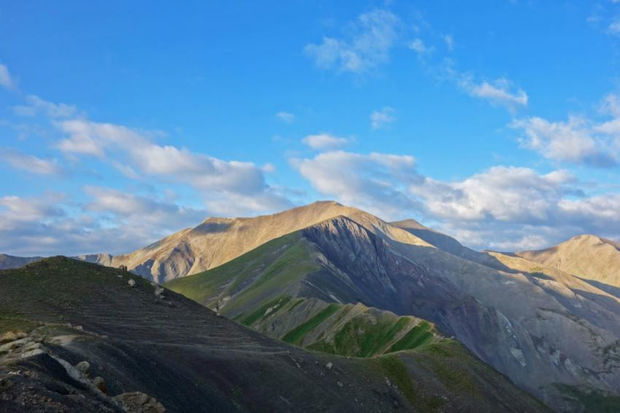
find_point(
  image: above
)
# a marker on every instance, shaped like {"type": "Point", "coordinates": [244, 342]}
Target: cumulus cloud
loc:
{"type": "Point", "coordinates": [368, 44]}
{"type": "Point", "coordinates": [31, 163]}
{"type": "Point", "coordinates": [497, 92]}
{"type": "Point", "coordinates": [112, 221]}
{"type": "Point", "coordinates": [5, 77]}
{"type": "Point", "coordinates": [219, 181]}
{"type": "Point", "coordinates": [323, 141]}
{"type": "Point", "coordinates": [375, 182]}
{"type": "Point", "coordinates": [578, 140]}
{"type": "Point", "coordinates": [498, 207]}
{"type": "Point", "coordinates": [286, 117]}
{"type": "Point", "coordinates": [382, 117]}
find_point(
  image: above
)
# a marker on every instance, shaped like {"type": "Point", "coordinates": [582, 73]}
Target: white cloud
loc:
{"type": "Point", "coordinates": [381, 118]}
{"type": "Point", "coordinates": [419, 46]}
{"type": "Point", "coordinates": [614, 27]}
{"type": "Point", "coordinates": [30, 163]}
{"type": "Point", "coordinates": [368, 45]}
{"type": "Point", "coordinates": [219, 181]}
{"type": "Point", "coordinates": [285, 117]}
{"type": "Point", "coordinates": [499, 207]}
{"type": "Point", "coordinates": [37, 105]}
{"type": "Point", "coordinates": [113, 221]}
{"type": "Point", "coordinates": [497, 92]}
{"type": "Point", "coordinates": [5, 77]}
{"type": "Point", "coordinates": [578, 140]}
{"type": "Point", "coordinates": [323, 141]}
{"type": "Point", "coordinates": [375, 182]}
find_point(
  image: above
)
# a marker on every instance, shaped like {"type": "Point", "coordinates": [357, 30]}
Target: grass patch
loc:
{"type": "Point", "coordinates": [276, 304]}
{"type": "Point", "coordinates": [253, 277]}
{"type": "Point", "coordinates": [297, 334]}
{"type": "Point", "coordinates": [416, 337]}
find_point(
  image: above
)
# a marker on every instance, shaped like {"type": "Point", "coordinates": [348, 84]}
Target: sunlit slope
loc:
{"type": "Point", "coordinates": [587, 256]}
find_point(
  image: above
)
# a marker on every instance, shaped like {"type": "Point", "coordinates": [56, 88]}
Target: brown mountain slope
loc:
{"type": "Point", "coordinates": [219, 240]}
{"type": "Point", "coordinates": [587, 256]}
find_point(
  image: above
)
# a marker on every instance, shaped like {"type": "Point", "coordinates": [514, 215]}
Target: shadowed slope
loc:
{"type": "Point", "coordinates": [515, 320]}
{"type": "Point", "coordinates": [141, 338]}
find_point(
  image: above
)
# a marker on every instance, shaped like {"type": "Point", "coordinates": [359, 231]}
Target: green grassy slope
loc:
{"type": "Point", "coordinates": [258, 290]}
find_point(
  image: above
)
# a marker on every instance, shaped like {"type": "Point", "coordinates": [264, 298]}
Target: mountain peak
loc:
{"type": "Point", "coordinates": [586, 255]}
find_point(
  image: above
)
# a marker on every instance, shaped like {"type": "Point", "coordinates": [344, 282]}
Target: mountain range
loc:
{"type": "Point", "coordinates": [338, 280]}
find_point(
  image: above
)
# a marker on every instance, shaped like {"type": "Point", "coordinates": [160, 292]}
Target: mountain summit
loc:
{"type": "Point", "coordinates": [588, 256]}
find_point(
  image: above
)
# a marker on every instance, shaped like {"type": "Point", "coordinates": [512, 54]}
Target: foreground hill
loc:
{"type": "Point", "coordinates": [549, 331]}
{"type": "Point", "coordinates": [587, 256]}
{"type": "Point", "coordinates": [80, 337]}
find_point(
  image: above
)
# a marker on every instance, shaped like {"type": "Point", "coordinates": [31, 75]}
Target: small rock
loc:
{"type": "Point", "coordinates": [329, 365]}
{"type": "Point", "coordinates": [131, 282]}
{"type": "Point", "coordinates": [119, 275]}
{"type": "Point", "coordinates": [83, 367]}
{"type": "Point", "coordinates": [339, 383]}
{"type": "Point", "coordinates": [139, 402]}
{"type": "Point", "coordinates": [99, 383]}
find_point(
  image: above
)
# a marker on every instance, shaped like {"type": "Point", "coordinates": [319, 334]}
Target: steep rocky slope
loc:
{"type": "Point", "coordinates": [587, 256]}
{"type": "Point", "coordinates": [517, 319]}
{"type": "Point", "coordinates": [80, 337]}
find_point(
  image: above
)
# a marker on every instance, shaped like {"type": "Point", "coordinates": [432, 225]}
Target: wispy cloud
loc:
{"type": "Point", "coordinates": [368, 44]}
{"type": "Point", "coordinates": [449, 41]}
{"type": "Point", "coordinates": [5, 77]}
{"type": "Point", "coordinates": [324, 141]}
{"type": "Point", "coordinates": [419, 46]}
{"type": "Point", "coordinates": [286, 117]}
{"type": "Point", "coordinates": [382, 117]}
{"type": "Point", "coordinates": [35, 105]}
{"type": "Point", "coordinates": [497, 92]}
{"type": "Point", "coordinates": [614, 27]}
{"type": "Point", "coordinates": [31, 163]}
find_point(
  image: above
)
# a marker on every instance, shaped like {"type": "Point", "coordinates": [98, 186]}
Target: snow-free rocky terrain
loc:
{"type": "Point", "coordinates": [338, 280]}
{"type": "Point", "coordinates": [84, 338]}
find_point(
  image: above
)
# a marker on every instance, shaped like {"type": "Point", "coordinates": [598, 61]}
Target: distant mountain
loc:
{"type": "Point", "coordinates": [10, 261]}
{"type": "Point", "coordinates": [588, 256]}
{"type": "Point", "coordinates": [81, 337]}
{"type": "Point", "coordinates": [219, 240]}
{"type": "Point", "coordinates": [514, 314]}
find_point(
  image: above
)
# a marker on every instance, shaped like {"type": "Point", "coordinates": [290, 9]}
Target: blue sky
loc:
{"type": "Point", "coordinates": [497, 122]}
